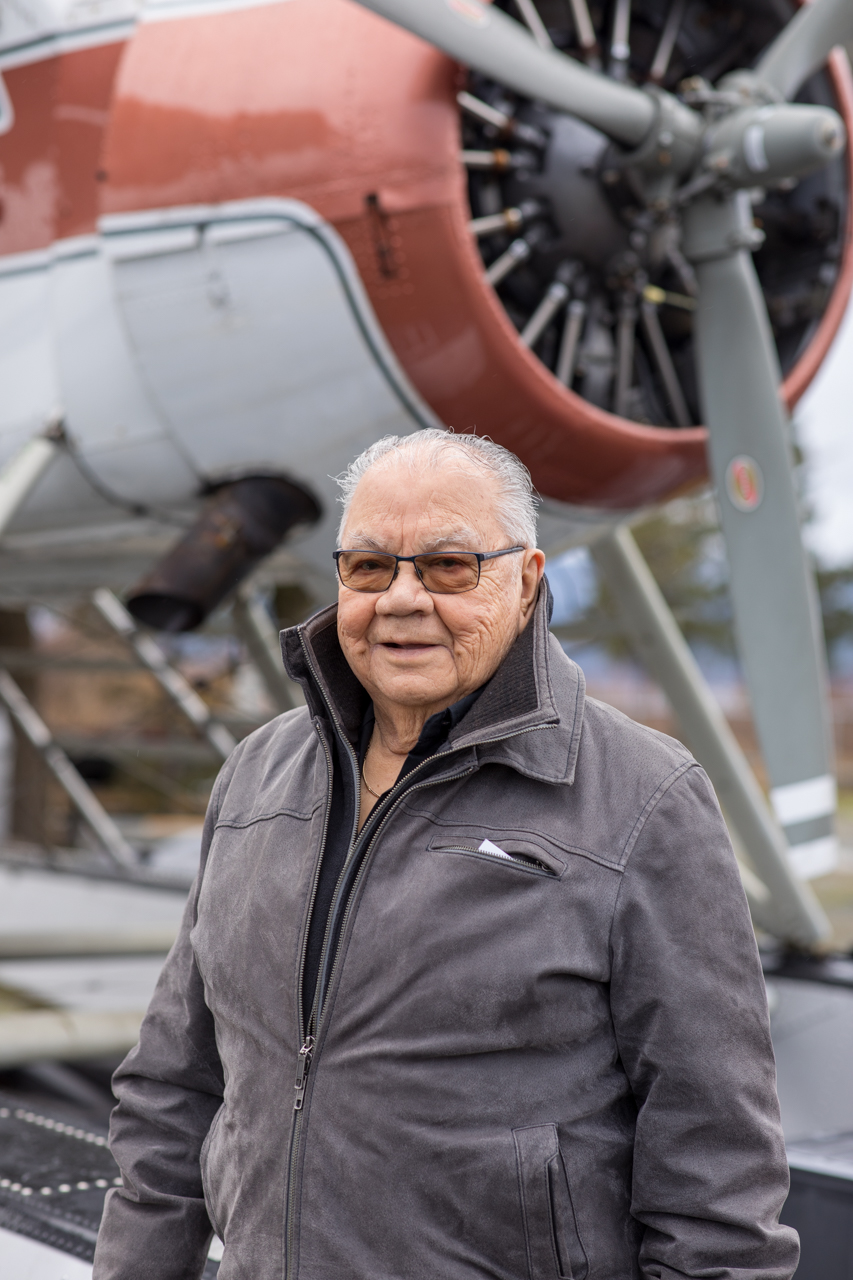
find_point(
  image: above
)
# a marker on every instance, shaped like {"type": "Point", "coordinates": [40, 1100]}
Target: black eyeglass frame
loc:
{"type": "Point", "coordinates": [479, 556]}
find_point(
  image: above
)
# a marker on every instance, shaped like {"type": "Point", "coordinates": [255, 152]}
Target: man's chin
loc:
{"type": "Point", "coordinates": [424, 686]}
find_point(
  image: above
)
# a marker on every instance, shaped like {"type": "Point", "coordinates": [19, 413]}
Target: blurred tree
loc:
{"type": "Point", "coordinates": [836, 603]}
{"type": "Point", "coordinates": [684, 548]}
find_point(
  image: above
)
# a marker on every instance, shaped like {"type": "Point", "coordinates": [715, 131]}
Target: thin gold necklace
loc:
{"type": "Point", "coordinates": [376, 794]}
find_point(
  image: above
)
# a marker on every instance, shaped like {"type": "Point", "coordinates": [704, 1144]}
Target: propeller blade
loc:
{"type": "Point", "coordinates": [772, 588]}
{"type": "Point", "coordinates": [483, 37]}
{"type": "Point", "coordinates": [805, 44]}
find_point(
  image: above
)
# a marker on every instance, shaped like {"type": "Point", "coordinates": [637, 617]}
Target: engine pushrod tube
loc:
{"type": "Point", "coordinates": [534, 23]}
{"type": "Point", "coordinates": [519, 251]}
{"type": "Point", "coordinates": [625, 333]}
{"type": "Point", "coordinates": [620, 48]}
{"type": "Point", "coordinates": [663, 360]}
{"type": "Point", "coordinates": [669, 35]}
{"type": "Point", "coordinates": [584, 29]}
{"type": "Point", "coordinates": [544, 313]}
{"type": "Point", "coordinates": [568, 356]}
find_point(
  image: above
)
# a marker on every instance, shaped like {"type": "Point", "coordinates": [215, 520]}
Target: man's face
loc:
{"type": "Point", "coordinates": [411, 648]}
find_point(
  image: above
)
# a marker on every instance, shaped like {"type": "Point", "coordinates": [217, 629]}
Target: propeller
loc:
{"type": "Point", "coordinates": [482, 36]}
{"type": "Point", "coordinates": [697, 164]}
{"type": "Point", "coordinates": [805, 44]}
{"type": "Point", "coordinates": [772, 587]}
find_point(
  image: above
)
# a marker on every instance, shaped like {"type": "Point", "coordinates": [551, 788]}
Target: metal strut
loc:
{"type": "Point", "coordinates": [82, 797]}
{"type": "Point", "coordinates": [176, 686]}
{"type": "Point", "coordinates": [261, 639]}
{"type": "Point", "coordinates": [787, 908]}
{"type": "Point", "coordinates": [23, 471]}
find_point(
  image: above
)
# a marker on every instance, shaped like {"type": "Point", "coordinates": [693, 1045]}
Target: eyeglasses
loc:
{"type": "Point", "coordinates": [443, 573]}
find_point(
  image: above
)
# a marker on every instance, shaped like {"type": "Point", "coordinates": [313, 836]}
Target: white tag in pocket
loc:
{"type": "Point", "coordinates": [488, 847]}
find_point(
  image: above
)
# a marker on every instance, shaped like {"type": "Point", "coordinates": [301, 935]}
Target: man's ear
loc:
{"type": "Point", "coordinates": [532, 571]}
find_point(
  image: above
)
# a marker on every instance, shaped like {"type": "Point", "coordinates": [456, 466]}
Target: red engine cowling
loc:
{"type": "Point", "coordinates": [321, 101]}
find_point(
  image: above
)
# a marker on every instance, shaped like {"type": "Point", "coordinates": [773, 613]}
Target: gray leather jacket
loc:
{"type": "Point", "coordinates": [552, 1064]}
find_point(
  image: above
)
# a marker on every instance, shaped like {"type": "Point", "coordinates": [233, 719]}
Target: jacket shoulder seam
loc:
{"type": "Point", "coordinates": [648, 809]}
{"type": "Point", "coordinates": [665, 741]}
{"type": "Point", "coordinates": [652, 803]}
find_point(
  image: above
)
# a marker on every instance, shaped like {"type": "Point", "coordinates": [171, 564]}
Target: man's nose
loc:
{"type": "Point", "coordinates": [406, 592]}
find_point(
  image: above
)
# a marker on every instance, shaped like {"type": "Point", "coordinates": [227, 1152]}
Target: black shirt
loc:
{"type": "Point", "coordinates": [342, 818]}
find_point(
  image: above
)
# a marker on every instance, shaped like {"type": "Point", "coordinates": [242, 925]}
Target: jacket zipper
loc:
{"type": "Point", "coordinates": [330, 774]}
{"type": "Point", "coordinates": [308, 1035]}
{"type": "Point", "coordinates": [306, 1050]}
{"type": "Point", "coordinates": [377, 831]}
{"type": "Point", "coordinates": [306, 1053]}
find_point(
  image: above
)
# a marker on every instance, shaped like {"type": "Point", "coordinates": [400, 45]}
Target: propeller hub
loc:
{"type": "Point", "coordinates": [767, 145]}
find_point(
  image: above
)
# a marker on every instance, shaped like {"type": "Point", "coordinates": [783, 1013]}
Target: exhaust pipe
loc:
{"type": "Point", "coordinates": [242, 522]}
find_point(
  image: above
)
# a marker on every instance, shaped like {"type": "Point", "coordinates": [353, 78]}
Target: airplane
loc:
{"type": "Point", "coordinates": [240, 239]}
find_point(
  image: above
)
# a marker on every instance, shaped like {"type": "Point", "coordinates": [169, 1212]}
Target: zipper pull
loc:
{"type": "Point", "coordinates": [302, 1065]}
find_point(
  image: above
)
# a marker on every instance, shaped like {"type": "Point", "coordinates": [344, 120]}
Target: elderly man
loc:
{"type": "Point", "coordinates": [466, 986]}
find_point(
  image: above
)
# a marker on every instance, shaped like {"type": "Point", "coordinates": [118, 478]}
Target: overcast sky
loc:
{"type": "Point", "coordinates": [825, 431]}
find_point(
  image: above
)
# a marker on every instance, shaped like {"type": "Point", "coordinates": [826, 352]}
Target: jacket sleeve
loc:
{"type": "Point", "coordinates": [155, 1227]}
{"type": "Point", "coordinates": [690, 1013]}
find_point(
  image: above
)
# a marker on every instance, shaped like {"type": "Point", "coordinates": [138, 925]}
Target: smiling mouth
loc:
{"type": "Point", "coordinates": [403, 647]}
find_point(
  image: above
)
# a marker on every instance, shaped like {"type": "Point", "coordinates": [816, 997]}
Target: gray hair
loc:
{"type": "Point", "coordinates": [433, 446]}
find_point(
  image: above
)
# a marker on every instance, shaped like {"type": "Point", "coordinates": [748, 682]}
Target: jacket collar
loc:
{"type": "Point", "coordinates": [536, 688]}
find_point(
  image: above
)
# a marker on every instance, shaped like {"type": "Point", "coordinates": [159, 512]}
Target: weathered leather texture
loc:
{"type": "Point", "coordinates": [522, 1072]}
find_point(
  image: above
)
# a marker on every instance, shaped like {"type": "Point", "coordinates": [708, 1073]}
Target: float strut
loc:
{"type": "Point", "coordinates": [82, 797]}
{"type": "Point", "coordinates": [787, 908]}
{"type": "Point", "coordinates": [176, 686]}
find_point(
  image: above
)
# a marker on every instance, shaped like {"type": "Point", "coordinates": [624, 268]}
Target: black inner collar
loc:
{"type": "Point", "coordinates": [433, 735]}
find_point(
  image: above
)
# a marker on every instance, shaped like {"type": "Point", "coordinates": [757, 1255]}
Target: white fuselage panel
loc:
{"type": "Point", "coordinates": [182, 349]}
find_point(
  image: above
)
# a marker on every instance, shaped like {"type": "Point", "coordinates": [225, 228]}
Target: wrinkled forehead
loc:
{"type": "Point", "coordinates": [397, 509]}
